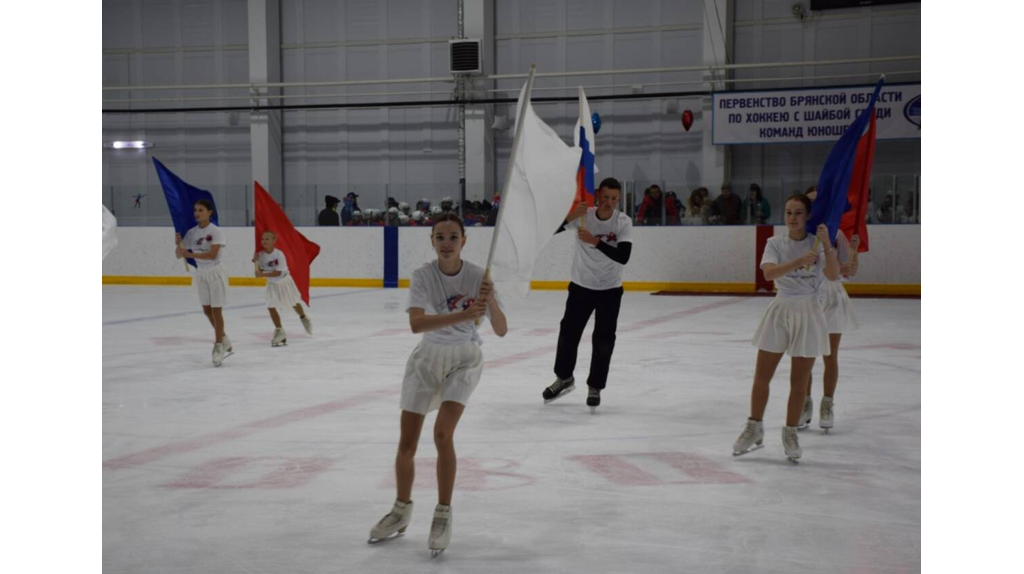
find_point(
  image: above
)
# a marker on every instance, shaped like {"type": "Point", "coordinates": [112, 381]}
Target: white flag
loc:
{"type": "Point", "coordinates": [109, 231]}
{"type": "Point", "coordinates": [537, 197]}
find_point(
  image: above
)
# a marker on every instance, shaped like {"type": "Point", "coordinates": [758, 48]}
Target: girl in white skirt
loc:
{"type": "Point", "coordinates": [281, 289]}
{"type": "Point", "coordinates": [835, 302]}
{"type": "Point", "coordinates": [446, 297]}
{"type": "Point", "coordinates": [205, 243]}
{"type": "Point", "coordinates": [794, 323]}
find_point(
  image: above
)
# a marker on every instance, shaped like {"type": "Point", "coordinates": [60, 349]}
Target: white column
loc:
{"type": "Point", "coordinates": [265, 66]}
{"type": "Point", "coordinates": [718, 40]}
{"type": "Point", "coordinates": [480, 182]}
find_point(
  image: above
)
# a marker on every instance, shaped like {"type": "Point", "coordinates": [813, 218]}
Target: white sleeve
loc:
{"type": "Point", "coordinates": [218, 236]}
{"type": "Point", "coordinates": [771, 254]}
{"type": "Point", "coordinates": [188, 238]}
{"type": "Point", "coordinates": [282, 263]}
{"type": "Point", "coordinates": [419, 292]}
{"type": "Point", "coordinates": [574, 225]}
{"type": "Point", "coordinates": [625, 229]}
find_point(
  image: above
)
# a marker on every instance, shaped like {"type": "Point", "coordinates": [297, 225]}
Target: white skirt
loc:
{"type": "Point", "coordinates": [837, 306]}
{"type": "Point", "coordinates": [795, 326]}
{"type": "Point", "coordinates": [437, 373]}
{"type": "Point", "coordinates": [211, 285]}
{"type": "Point", "coordinates": [282, 293]}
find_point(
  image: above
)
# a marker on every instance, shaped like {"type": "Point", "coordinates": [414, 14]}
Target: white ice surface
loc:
{"type": "Point", "coordinates": [281, 460]}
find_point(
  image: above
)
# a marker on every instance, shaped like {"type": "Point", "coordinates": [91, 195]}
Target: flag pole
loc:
{"type": "Point", "coordinates": [508, 172]}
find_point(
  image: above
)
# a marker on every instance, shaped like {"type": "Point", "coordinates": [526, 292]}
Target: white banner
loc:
{"type": "Point", "coordinates": [812, 115]}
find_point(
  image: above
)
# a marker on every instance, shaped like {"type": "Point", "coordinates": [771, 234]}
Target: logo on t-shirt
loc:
{"type": "Point", "coordinates": [201, 239]}
{"type": "Point", "coordinates": [272, 263]}
{"type": "Point", "coordinates": [610, 237]}
{"type": "Point", "coordinates": [456, 301]}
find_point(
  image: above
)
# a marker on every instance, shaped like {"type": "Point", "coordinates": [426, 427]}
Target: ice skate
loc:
{"type": "Point", "coordinates": [394, 523]}
{"type": "Point", "coordinates": [228, 349]}
{"type": "Point", "coordinates": [751, 439]}
{"type": "Point", "coordinates": [440, 530]}
{"type": "Point", "coordinates": [218, 354]}
{"type": "Point", "coordinates": [593, 399]}
{"type": "Point", "coordinates": [826, 418]}
{"type": "Point", "coordinates": [791, 443]}
{"type": "Point", "coordinates": [805, 415]}
{"type": "Point", "coordinates": [559, 389]}
{"type": "Point", "coordinates": [307, 324]}
{"type": "Point", "coordinates": [279, 338]}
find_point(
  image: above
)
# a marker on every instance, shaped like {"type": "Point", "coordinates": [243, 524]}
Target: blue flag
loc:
{"type": "Point", "coordinates": [834, 182]}
{"type": "Point", "coordinates": [181, 197]}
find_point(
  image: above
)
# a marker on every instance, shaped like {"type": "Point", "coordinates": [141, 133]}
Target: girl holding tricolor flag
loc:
{"type": "Point", "coordinates": [205, 244]}
{"type": "Point", "coordinates": [793, 324]}
{"type": "Point", "coordinates": [446, 297]}
{"type": "Point", "coordinates": [281, 290]}
{"type": "Point", "coordinates": [838, 308]}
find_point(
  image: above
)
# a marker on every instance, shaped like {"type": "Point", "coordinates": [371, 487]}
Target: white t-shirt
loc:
{"type": "Point", "coordinates": [440, 294]}
{"type": "Point", "coordinates": [591, 268]}
{"type": "Point", "coordinates": [800, 282]}
{"type": "Point", "coordinates": [273, 261]}
{"type": "Point", "coordinates": [202, 240]}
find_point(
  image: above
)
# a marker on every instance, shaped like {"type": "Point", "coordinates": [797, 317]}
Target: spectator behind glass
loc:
{"type": "Point", "coordinates": [329, 214]}
{"type": "Point", "coordinates": [670, 197]}
{"type": "Point", "coordinates": [757, 208]}
{"type": "Point", "coordinates": [351, 204]}
{"type": "Point", "coordinates": [728, 207]}
{"type": "Point", "coordinates": [696, 201]}
{"type": "Point", "coordinates": [651, 208]}
{"type": "Point", "coordinates": [890, 211]}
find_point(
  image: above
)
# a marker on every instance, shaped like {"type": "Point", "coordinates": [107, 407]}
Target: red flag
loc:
{"type": "Point", "coordinates": [299, 251]}
{"type": "Point", "coordinates": [854, 220]}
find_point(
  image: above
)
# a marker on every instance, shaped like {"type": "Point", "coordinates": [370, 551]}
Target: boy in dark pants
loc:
{"type": "Point", "coordinates": [605, 243]}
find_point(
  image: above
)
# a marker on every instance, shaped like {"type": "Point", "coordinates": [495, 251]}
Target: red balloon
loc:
{"type": "Point", "coordinates": [687, 120]}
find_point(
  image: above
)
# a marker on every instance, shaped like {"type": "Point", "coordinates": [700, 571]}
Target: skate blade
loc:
{"type": "Point", "coordinates": [826, 429]}
{"type": "Point", "coordinates": [226, 355]}
{"type": "Point", "coordinates": [435, 552]}
{"type": "Point", "coordinates": [803, 426]}
{"type": "Point", "coordinates": [748, 451]}
{"type": "Point", "coordinates": [593, 410]}
{"type": "Point", "coordinates": [560, 395]}
{"type": "Point", "coordinates": [281, 344]}
{"type": "Point", "coordinates": [793, 460]}
{"type": "Point", "coordinates": [373, 540]}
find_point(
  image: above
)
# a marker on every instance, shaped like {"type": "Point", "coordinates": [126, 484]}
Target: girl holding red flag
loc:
{"type": "Point", "coordinates": [446, 297]}
{"type": "Point", "coordinates": [281, 289]}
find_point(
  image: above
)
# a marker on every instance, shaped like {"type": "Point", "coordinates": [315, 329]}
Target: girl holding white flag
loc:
{"type": "Point", "coordinates": [446, 297]}
{"type": "Point", "coordinates": [602, 251]}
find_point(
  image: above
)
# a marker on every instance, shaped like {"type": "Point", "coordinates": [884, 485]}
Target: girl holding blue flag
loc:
{"type": "Point", "coordinates": [793, 324]}
{"type": "Point", "coordinates": [205, 243]}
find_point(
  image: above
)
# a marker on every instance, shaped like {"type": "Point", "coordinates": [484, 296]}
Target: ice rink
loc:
{"type": "Point", "coordinates": [281, 460]}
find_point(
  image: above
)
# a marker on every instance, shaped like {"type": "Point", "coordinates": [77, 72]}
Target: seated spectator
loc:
{"type": "Point", "coordinates": [417, 219]}
{"type": "Point", "coordinates": [403, 220]}
{"type": "Point", "coordinates": [423, 205]}
{"type": "Point", "coordinates": [392, 217]}
{"type": "Point", "coordinates": [757, 208]}
{"type": "Point", "coordinates": [650, 212]}
{"type": "Point", "coordinates": [693, 205]}
{"type": "Point", "coordinates": [727, 208]}
{"type": "Point", "coordinates": [329, 215]}
{"type": "Point", "coordinates": [446, 204]}
{"type": "Point", "coordinates": [890, 211]}
{"type": "Point", "coordinates": [357, 220]}
{"type": "Point", "coordinates": [671, 197]}
{"type": "Point", "coordinates": [404, 208]}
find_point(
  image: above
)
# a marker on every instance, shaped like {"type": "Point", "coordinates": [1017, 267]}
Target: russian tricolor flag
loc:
{"type": "Point", "coordinates": [584, 139]}
{"type": "Point", "coordinates": [842, 200]}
